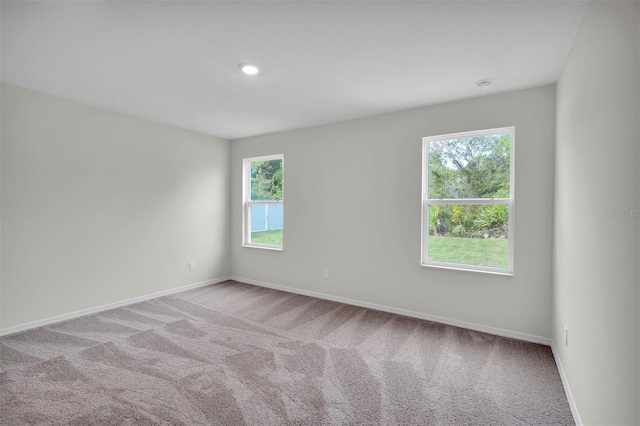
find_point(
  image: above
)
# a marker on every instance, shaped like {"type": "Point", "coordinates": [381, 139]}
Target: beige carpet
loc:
{"type": "Point", "coordinates": [236, 354]}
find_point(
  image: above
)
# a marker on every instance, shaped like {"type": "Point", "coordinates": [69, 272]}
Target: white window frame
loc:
{"type": "Point", "coordinates": [248, 202]}
{"type": "Point", "coordinates": [426, 202]}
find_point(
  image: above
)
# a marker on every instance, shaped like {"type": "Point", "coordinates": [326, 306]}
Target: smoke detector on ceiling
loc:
{"type": "Point", "coordinates": [483, 84]}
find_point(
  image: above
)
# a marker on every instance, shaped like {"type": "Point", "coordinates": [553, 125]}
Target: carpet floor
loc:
{"type": "Point", "coordinates": [237, 354]}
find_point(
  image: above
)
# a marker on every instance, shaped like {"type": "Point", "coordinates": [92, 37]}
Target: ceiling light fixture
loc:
{"type": "Point", "coordinates": [249, 69]}
{"type": "Point", "coordinates": [483, 84]}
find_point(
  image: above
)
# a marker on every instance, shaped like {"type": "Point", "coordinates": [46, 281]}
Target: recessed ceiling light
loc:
{"type": "Point", "coordinates": [249, 69]}
{"type": "Point", "coordinates": [483, 84]}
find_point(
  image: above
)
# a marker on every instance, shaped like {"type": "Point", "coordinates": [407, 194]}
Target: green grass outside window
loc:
{"type": "Point", "coordinates": [492, 252]}
{"type": "Point", "coordinates": [272, 238]}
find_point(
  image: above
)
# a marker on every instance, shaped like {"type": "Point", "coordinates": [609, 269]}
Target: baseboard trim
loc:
{"type": "Point", "coordinates": [565, 384]}
{"type": "Point", "coordinates": [462, 324]}
{"type": "Point", "coordinates": [77, 314]}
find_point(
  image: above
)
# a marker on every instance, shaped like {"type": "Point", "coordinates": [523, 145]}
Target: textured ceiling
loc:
{"type": "Point", "coordinates": [321, 62]}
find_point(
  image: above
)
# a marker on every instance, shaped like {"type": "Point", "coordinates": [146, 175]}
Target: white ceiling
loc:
{"type": "Point", "coordinates": [321, 62]}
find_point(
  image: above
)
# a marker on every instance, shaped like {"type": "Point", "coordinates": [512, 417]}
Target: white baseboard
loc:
{"type": "Point", "coordinates": [72, 315]}
{"type": "Point", "coordinates": [471, 326]}
{"type": "Point", "coordinates": [565, 384]}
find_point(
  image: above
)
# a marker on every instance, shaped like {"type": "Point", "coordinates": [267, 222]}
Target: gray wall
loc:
{"type": "Point", "coordinates": [335, 175]}
{"type": "Point", "coordinates": [99, 207]}
{"type": "Point", "coordinates": [596, 253]}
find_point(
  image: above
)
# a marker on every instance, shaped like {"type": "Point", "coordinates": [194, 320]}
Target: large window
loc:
{"type": "Point", "coordinates": [467, 200]}
{"type": "Point", "coordinates": [263, 196]}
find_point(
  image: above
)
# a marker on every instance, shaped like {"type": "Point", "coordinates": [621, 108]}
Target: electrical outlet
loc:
{"type": "Point", "coordinates": [566, 336]}
{"type": "Point", "coordinates": [192, 265]}
{"type": "Point", "coordinates": [325, 273]}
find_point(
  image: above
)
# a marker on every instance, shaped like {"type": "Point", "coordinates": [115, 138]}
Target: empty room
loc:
{"type": "Point", "coordinates": [320, 212]}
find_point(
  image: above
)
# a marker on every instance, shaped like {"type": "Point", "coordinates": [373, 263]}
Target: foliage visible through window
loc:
{"type": "Point", "coordinates": [266, 180]}
{"type": "Point", "coordinates": [263, 201]}
{"type": "Point", "coordinates": [468, 200]}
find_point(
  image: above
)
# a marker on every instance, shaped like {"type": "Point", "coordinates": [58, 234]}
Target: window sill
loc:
{"type": "Point", "coordinates": [463, 269]}
{"type": "Point", "coordinates": [272, 248]}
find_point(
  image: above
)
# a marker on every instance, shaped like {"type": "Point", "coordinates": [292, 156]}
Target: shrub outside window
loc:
{"type": "Point", "coordinates": [467, 200]}
{"type": "Point", "coordinates": [263, 202]}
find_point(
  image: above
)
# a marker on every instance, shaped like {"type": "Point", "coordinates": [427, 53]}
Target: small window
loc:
{"type": "Point", "coordinates": [467, 200]}
{"type": "Point", "coordinates": [263, 197]}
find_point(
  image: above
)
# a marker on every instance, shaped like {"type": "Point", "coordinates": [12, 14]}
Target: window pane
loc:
{"type": "Point", "coordinates": [475, 167]}
{"type": "Point", "coordinates": [469, 234]}
{"type": "Point", "coordinates": [266, 180]}
{"type": "Point", "coordinates": [266, 224]}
